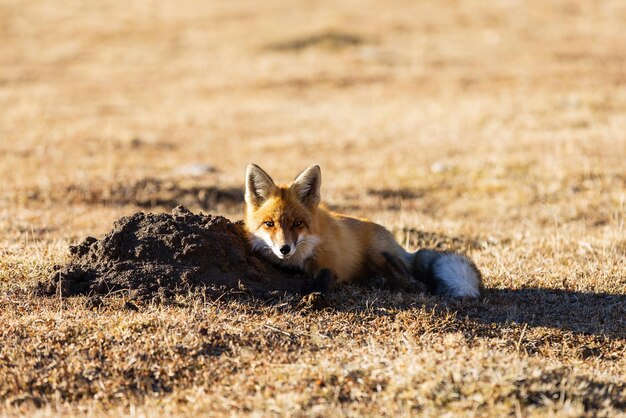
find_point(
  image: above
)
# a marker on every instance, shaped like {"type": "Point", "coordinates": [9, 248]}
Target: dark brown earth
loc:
{"type": "Point", "coordinates": [160, 255]}
{"type": "Point", "coordinates": [145, 193]}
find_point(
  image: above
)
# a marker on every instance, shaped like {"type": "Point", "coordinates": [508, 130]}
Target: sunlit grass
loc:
{"type": "Point", "coordinates": [491, 128]}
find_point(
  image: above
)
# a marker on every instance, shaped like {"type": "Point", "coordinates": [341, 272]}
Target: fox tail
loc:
{"type": "Point", "coordinates": [446, 273]}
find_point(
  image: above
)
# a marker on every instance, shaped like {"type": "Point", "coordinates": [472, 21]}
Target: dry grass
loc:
{"type": "Point", "coordinates": [488, 126]}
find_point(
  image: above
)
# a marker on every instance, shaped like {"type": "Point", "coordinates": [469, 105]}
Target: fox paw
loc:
{"type": "Point", "coordinates": [378, 282]}
{"type": "Point", "coordinates": [416, 287]}
{"type": "Point", "coordinates": [315, 300]}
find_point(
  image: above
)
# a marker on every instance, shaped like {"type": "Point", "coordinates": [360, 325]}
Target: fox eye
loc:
{"type": "Point", "coordinates": [297, 223]}
{"type": "Point", "coordinates": [269, 224]}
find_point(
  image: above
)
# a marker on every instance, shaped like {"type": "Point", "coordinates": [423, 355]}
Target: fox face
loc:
{"type": "Point", "coordinates": [280, 219]}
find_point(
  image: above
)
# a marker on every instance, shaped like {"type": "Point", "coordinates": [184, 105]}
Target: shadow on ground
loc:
{"type": "Point", "coordinates": [581, 313]}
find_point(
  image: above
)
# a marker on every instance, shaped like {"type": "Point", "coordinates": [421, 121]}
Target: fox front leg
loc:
{"type": "Point", "coordinates": [323, 282]}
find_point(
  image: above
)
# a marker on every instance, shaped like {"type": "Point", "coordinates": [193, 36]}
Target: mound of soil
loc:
{"type": "Point", "coordinates": [160, 254]}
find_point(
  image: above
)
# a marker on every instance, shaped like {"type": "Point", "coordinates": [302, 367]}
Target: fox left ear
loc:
{"type": "Point", "coordinates": [307, 186]}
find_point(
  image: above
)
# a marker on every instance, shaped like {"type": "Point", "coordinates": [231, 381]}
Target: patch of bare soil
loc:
{"type": "Point", "coordinates": [330, 39]}
{"type": "Point", "coordinates": [149, 192]}
{"type": "Point", "coordinates": [159, 255]}
{"type": "Point", "coordinates": [144, 193]}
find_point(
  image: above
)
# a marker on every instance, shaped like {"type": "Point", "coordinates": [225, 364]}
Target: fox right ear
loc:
{"type": "Point", "coordinates": [259, 185]}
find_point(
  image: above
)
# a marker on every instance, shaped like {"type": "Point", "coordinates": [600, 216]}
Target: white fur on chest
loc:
{"type": "Point", "coordinates": [304, 249]}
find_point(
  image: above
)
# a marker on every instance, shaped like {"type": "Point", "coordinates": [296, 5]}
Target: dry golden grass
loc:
{"type": "Point", "coordinates": [493, 127]}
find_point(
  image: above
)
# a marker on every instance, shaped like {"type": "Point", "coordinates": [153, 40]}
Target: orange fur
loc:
{"type": "Point", "coordinates": [350, 248]}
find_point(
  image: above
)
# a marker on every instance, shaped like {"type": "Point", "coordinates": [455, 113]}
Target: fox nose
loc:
{"type": "Point", "coordinates": [285, 249]}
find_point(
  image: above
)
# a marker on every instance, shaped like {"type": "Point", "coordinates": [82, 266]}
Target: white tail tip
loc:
{"type": "Point", "coordinates": [457, 276]}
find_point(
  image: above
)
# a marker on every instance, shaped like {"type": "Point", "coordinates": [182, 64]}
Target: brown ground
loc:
{"type": "Point", "coordinates": [495, 128]}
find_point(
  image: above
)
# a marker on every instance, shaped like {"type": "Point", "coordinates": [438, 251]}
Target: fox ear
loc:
{"type": "Point", "coordinates": [259, 185]}
{"type": "Point", "coordinates": [307, 186]}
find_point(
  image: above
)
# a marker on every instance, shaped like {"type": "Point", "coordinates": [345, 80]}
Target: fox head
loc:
{"type": "Point", "coordinates": [280, 219]}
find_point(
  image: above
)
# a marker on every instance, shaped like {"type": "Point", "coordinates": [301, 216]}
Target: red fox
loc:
{"type": "Point", "coordinates": [289, 226]}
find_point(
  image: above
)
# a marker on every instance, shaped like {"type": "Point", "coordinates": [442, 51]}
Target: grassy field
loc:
{"type": "Point", "coordinates": [496, 128]}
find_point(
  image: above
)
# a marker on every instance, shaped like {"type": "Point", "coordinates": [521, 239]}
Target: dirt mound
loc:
{"type": "Point", "coordinates": [156, 255]}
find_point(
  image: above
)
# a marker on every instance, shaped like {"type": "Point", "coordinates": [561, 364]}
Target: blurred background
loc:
{"type": "Point", "coordinates": [499, 118]}
{"type": "Point", "coordinates": [496, 128]}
